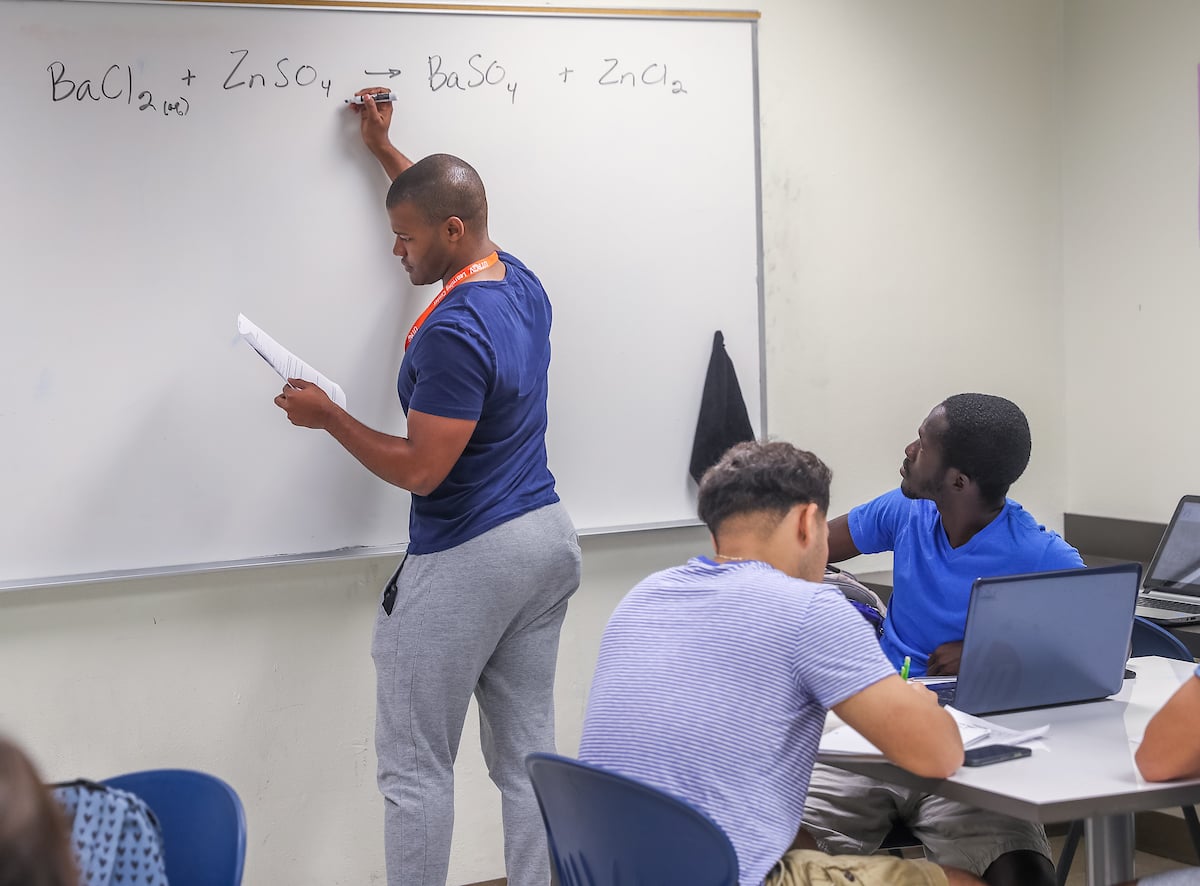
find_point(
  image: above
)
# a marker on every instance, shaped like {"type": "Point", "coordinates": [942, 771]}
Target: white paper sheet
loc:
{"type": "Point", "coordinates": [287, 364]}
{"type": "Point", "coordinates": [975, 731]}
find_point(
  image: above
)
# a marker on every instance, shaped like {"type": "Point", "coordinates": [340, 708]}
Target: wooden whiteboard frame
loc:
{"type": "Point", "coordinates": [371, 551]}
{"type": "Point", "coordinates": [483, 9]}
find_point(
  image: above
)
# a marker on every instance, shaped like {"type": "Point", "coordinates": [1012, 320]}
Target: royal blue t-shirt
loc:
{"type": "Point", "coordinates": [931, 581]}
{"type": "Point", "coordinates": [483, 355]}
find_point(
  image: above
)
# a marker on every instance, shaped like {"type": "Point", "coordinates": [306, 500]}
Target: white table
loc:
{"type": "Point", "coordinates": [1085, 770]}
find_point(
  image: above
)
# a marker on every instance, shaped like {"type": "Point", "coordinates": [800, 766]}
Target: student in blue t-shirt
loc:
{"type": "Point", "coordinates": [714, 678]}
{"type": "Point", "coordinates": [949, 523]}
{"type": "Point", "coordinates": [476, 605]}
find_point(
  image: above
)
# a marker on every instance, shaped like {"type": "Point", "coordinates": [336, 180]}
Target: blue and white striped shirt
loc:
{"type": "Point", "coordinates": [712, 684]}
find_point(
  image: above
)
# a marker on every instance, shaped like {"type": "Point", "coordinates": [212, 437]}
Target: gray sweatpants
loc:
{"type": "Point", "coordinates": [480, 618]}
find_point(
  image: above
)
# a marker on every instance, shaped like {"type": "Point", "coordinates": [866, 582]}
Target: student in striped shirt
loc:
{"type": "Point", "coordinates": [714, 678]}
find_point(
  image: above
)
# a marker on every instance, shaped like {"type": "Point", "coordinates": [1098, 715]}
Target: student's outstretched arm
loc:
{"type": "Point", "coordinates": [905, 722]}
{"type": "Point", "coordinates": [1171, 748]}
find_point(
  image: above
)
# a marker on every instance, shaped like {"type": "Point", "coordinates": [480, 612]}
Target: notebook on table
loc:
{"type": "Point", "coordinates": [1171, 592]}
{"type": "Point", "coordinates": [1045, 638]}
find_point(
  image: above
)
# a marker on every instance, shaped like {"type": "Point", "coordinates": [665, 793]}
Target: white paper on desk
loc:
{"type": "Point", "coordinates": [996, 733]}
{"type": "Point", "coordinates": [287, 364]}
{"type": "Point", "coordinates": [846, 740]}
{"type": "Point", "coordinates": [974, 731]}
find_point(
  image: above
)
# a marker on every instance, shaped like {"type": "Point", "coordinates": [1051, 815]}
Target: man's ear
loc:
{"type": "Point", "coordinates": [454, 228]}
{"type": "Point", "coordinates": [810, 553]}
{"type": "Point", "coordinates": [808, 517]}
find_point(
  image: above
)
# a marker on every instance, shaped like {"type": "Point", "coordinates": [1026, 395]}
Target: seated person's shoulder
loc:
{"type": "Point", "coordinates": [1060, 555]}
{"type": "Point", "coordinates": [1055, 551]}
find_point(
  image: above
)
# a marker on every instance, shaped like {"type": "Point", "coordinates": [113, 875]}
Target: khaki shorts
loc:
{"type": "Point", "coordinates": [807, 867]}
{"type": "Point", "coordinates": [850, 814]}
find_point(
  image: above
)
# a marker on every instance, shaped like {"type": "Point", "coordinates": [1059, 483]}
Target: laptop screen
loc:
{"type": "Point", "coordinates": [1046, 638]}
{"type": "Point", "coordinates": [1176, 563]}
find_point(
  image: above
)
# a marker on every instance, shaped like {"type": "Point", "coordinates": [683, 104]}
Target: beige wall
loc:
{"type": "Point", "coordinates": [911, 221]}
{"type": "Point", "coordinates": [910, 179]}
{"type": "Point", "coordinates": [1131, 255]}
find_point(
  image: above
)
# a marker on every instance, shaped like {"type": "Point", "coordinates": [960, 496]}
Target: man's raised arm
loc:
{"type": "Point", "coordinates": [374, 120]}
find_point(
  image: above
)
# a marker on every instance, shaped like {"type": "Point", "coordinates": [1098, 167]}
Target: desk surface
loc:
{"type": "Point", "coordinates": [1085, 767]}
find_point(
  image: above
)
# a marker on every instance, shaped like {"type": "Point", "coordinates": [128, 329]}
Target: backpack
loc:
{"type": "Point", "coordinates": [861, 597]}
{"type": "Point", "coordinates": [115, 836]}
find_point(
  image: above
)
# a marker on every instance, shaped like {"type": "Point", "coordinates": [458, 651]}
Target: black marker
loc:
{"type": "Point", "coordinates": [377, 96]}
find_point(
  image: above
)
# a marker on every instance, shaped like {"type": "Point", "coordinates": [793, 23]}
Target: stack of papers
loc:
{"type": "Point", "coordinates": [287, 364]}
{"type": "Point", "coordinates": [843, 740]}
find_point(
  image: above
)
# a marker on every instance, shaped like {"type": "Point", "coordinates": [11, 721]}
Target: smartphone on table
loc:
{"type": "Point", "coordinates": [994, 753]}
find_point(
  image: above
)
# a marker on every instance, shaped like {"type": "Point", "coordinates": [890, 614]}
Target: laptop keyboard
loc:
{"type": "Point", "coordinates": [1173, 605]}
{"type": "Point", "coordinates": [945, 691]}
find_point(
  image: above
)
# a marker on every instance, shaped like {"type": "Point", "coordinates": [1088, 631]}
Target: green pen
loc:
{"type": "Point", "coordinates": [904, 670]}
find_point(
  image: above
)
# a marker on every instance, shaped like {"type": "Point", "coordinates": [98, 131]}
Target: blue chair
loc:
{"type": "Point", "coordinates": [1152, 639]}
{"type": "Point", "coordinates": [609, 830]}
{"type": "Point", "coordinates": [1148, 638]}
{"type": "Point", "coordinates": [203, 824]}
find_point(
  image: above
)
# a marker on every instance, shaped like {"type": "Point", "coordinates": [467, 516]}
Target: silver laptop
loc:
{"type": "Point", "coordinates": [1046, 638]}
{"type": "Point", "coordinates": [1171, 591]}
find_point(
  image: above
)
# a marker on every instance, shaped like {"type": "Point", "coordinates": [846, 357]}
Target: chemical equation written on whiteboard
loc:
{"type": "Point", "coordinates": [482, 72]}
{"type": "Point", "coordinates": [117, 83]}
{"type": "Point", "coordinates": [173, 94]}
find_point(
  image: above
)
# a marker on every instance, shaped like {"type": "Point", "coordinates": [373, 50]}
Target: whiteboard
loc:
{"type": "Point", "coordinates": [167, 166]}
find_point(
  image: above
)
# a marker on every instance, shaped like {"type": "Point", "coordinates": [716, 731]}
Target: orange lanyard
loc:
{"type": "Point", "coordinates": [469, 271]}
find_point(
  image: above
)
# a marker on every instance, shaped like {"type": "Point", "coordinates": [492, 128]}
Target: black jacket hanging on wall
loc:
{"type": "Point", "coordinates": [723, 419]}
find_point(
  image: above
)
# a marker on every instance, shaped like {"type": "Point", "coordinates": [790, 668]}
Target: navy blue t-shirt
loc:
{"type": "Point", "coordinates": [483, 355]}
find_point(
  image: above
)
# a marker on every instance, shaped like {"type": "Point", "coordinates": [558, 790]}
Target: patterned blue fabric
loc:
{"type": "Point", "coordinates": [114, 836]}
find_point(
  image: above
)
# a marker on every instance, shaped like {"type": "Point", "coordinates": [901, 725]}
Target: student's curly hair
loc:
{"type": "Point", "coordinates": [987, 438]}
{"type": "Point", "coordinates": [762, 478]}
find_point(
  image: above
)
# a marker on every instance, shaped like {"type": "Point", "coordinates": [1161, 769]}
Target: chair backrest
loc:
{"type": "Point", "coordinates": [606, 829]}
{"type": "Point", "coordinates": [203, 824]}
{"type": "Point", "coordinates": [1151, 639]}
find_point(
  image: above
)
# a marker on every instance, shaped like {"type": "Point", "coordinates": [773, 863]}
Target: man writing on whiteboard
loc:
{"type": "Point", "coordinates": [477, 603]}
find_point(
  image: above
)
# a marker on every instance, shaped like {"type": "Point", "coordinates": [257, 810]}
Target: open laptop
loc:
{"type": "Point", "coordinates": [1171, 591]}
{"type": "Point", "coordinates": [1046, 638]}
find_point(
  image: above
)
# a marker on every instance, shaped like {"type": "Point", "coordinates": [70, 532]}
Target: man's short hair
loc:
{"type": "Point", "coordinates": [439, 186]}
{"type": "Point", "coordinates": [987, 438]}
{"type": "Point", "coordinates": [762, 478]}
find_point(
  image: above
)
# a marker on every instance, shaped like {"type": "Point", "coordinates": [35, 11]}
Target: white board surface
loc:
{"type": "Point", "coordinates": [167, 166]}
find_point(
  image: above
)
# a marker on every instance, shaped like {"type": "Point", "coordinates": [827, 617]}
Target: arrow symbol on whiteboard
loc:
{"type": "Point", "coordinates": [390, 73]}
